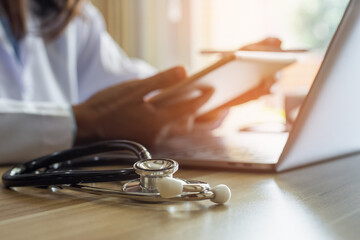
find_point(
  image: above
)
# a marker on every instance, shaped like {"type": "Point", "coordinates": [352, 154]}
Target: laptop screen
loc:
{"type": "Point", "coordinates": [328, 124]}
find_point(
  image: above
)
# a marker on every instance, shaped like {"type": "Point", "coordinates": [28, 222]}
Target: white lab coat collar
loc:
{"type": "Point", "coordinates": [32, 26]}
{"type": "Point", "coordinates": [7, 51]}
{"type": "Point", "coordinates": [4, 41]}
{"type": "Point", "coordinates": [26, 45]}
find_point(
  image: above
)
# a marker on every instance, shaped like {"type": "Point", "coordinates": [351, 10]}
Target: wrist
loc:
{"type": "Point", "coordinates": [85, 125]}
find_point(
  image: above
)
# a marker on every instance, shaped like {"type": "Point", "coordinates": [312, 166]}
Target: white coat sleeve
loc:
{"type": "Point", "coordinates": [101, 62]}
{"type": "Point", "coordinates": [29, 130]}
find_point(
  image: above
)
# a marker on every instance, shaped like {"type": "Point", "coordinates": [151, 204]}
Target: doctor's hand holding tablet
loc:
{"type": "Point", "coordinates": [238, 77]}
{"type": "Point", "coordinates": [235, 79]}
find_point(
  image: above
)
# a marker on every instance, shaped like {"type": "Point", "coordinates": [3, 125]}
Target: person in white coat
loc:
{"type": "Point", "coordinates": [64, 81]}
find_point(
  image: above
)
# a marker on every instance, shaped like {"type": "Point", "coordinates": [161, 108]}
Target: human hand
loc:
{"type": "Point", "coordinates": [215, 118]}
{"type": "Point", "coordinates": [268, 44]}
{"type": "Point", "coordinates": [120, 112]}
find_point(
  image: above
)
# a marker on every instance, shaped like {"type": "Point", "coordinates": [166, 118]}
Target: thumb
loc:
{"type": "Point", "coordinates": [162, 80]}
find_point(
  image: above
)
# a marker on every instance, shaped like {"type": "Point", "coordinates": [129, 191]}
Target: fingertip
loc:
{"type": "Point", "coordinates": [273, 41]}
{"type": "Point", "coordinates": [206, 90]}
{"type": "Point", "coordinates": [206, 93]}
{"type": "Point", "coordinates": [180, 72]}
{"type": "Point", "coordinates": [166, 78]}
{"type": "Point", "coordinates": [188, 107]}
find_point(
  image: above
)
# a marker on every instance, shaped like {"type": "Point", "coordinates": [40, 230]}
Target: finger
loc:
{"type": "Point", "coordinates": [187, 107]}
{"type": "Point", "coordinates": [186, 93]}
{"type": "Point", "coordinates": [162, 80]}
{"type": "Point", "coordinates": [265, 86]}
{"type": "Point", "coordinates": [213, 122]}
{"type": "Point", "coordinates": [262, 48]}
{"type": "Point", "coordinates": [184, 125]}
{"type": "Point", "coordinates": [175, 128]}
{"type": "Point", "coordinates": [268, 44]}
{"type": "Point", "coordinates": [271, 41]}
{"type": "Point", "coordinates": [213, 115]}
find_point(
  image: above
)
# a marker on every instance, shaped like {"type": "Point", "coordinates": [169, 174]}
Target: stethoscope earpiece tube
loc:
{"type": "Point", "coordinates": [28, 174]}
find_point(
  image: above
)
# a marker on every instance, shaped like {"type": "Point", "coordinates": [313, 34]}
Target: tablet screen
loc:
{"type": "Point", "coordinates": [239, 76]}
{"type": "Point", "coordinates": [232, 76]}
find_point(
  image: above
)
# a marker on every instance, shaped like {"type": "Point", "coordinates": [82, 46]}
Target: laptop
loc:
{"type": "Point", "coordinates": [327, 126]}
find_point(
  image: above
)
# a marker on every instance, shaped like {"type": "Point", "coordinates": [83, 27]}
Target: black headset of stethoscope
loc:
{"type": "Point", "coordinates": [155, 183]}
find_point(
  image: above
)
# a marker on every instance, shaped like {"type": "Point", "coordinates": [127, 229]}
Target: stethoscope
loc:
{"type": "Point", "coordinates": [150, 180]}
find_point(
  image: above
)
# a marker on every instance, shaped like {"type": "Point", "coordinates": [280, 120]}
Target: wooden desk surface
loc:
{"type": "Point", "coordinates": [318, 202]}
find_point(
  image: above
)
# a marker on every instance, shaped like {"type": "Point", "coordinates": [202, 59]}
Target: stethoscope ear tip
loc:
{"type": "Point", "coordinates": [170, 187]}
{"type": "Point", "coordinates": [222, 194]}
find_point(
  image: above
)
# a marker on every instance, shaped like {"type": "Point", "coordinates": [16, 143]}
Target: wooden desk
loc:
{"type": "Point", "coordinates": [318, 202]}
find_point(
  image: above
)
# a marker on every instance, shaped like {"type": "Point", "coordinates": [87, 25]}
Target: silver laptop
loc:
{"type": "Point", "coordinates": [327, 126]}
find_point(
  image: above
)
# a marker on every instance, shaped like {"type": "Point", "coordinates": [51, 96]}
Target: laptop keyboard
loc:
{"type": "Point", "coordinates": [212, 153]}
{"type": "Point", "coordinates": [243, 147]}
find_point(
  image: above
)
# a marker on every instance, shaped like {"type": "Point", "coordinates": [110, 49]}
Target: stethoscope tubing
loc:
{"type": "Point", "coordinates": [47, 170]}
{"type": "Point", "coordinates": [138, 196]}
{"type": "Point", "coordinates": [68, 177]}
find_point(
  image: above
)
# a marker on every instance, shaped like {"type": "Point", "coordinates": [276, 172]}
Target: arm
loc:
{"type": "Point", "coordinates": [30, 129]}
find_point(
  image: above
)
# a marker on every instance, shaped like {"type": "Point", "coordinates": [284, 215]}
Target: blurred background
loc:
{"type": "Point", "coordinates": [166, 33]}
{"type": "Point", "coordinates": [171, 32]}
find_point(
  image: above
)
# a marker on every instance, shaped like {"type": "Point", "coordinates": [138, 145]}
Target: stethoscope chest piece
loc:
{"type": "Point", "coordinates": [152, 171]}
{"type": "Point", "coordinates": [156, 184]}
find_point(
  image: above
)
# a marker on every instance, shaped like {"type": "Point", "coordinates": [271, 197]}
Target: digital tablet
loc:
{"type": "Point", "coordinates": [232, 76]}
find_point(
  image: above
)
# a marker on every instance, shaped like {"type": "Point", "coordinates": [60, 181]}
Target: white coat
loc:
{"type": "Point", "coordinates": [38, 89]}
